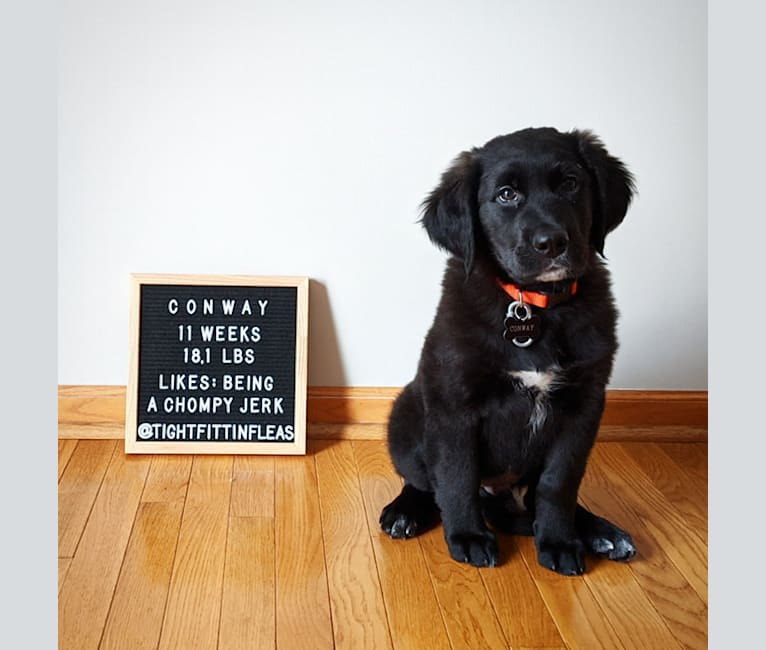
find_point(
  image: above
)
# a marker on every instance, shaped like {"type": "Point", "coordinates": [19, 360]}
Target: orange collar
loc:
{"type": "Point", "coordinates": [538, 299]}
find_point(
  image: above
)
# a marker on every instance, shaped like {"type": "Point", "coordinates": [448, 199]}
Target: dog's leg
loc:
{"type": "Point", "coordinates": [559, 544]}
{"type": "Point", "coordinates": [406, 438]}
{"type": "Point", "coordinates": [411, 513]}
{"type": "Point", "coordinates": [455, 472]}
{"type": "Point", "coordinates": [414, 511]}
{"type": "Point", "coordinates": [602, 537]}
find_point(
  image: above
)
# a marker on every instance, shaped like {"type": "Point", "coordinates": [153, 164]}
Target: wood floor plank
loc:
{"type": "Point", "coordinates": [66, 447]}
{"type": "Point", "coordinates": [248, 602]}
{"type": "Point", "coordinates": [64, 563]}
{"type": "Point", "coordinates": [693, 465]}
{"type": "Point", "coordinates": [522, 613]}
{"type": "Point", "coordinates": [692, 457]}
{"type": "Point", "coordinates": [674, 534]}
{"type": "Point", "coordinates": [302, 605]}
{"type": "Point", "coordinates": [580, 619]}
{"type": "Point", "coordinates": [413, 612]}
{"type": "Point", "coordinates": [78, 488]}
{"type": "Point", "coordinates": [194, 599]}
{"type": "Point", "coordinates": [680, 488]}
{"type": "Point", "coordinates": [465, 604]}
{"type": "Point", "coordinates": [135, 617]}
{"type": "Point", "coordinates": [356, 599]}
{"type": "Point", "coordinates": [252, 490]}
{"type": "Point", "coordinates": [87, 591]}
{"type": "Point", "coordinates": [138, 607]}
{"type": "Point", "coordinates": [168, 478]}
{"type": "Point", "coordinates": [683, 611]}
{"type": "Point", "coordinates": [629, 610]}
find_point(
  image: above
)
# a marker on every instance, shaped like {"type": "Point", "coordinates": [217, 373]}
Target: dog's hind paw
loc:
{"type": "Point", "coordinates": [603, 538]}
{"type": "Point", "coordinates": [397, 524]}
{"type": "Point", "coordinates": [411, 513]}
{"type": "Point", "coordinates": [618, 547]}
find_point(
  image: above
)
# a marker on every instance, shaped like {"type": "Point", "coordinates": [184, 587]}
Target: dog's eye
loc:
{"type": "Point", "coordinates": [569, 184]}
{"type": "Point", "coordinates": [507, 195]}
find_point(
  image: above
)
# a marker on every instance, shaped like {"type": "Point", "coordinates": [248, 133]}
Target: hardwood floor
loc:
{"type": "Point", "coordinates": [286, 552]}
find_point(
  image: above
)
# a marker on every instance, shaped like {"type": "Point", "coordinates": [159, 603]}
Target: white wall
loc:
{"type": "Point", "coordinates": [298, 138]}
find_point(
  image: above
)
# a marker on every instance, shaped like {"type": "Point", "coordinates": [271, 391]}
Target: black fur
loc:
{"type": "Point", "coordinates": [532, 208]}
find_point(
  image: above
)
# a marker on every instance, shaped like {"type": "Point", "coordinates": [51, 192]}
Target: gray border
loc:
{"type": "Point", "coordinates": [736, 225]}
{"type": "Point", "coordinates": [29, 318]}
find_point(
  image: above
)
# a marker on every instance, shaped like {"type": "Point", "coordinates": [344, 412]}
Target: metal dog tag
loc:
{"type": "Point", "coordinates": [521, 327]}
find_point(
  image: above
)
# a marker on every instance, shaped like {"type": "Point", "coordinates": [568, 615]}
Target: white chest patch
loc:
{"type": "Point", "coordinates": [540, 383]}
{"type": "Point", "coordinates": [541, 380]}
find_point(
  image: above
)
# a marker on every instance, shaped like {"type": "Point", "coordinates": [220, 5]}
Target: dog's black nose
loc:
{"type": "Point", "coordinates": [550, 243]}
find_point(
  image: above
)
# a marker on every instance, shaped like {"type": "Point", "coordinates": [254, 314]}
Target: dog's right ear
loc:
{"type": "Point", "coordinates": [615, 186]}
{"type": "Point", "coordinates": [450, 210]}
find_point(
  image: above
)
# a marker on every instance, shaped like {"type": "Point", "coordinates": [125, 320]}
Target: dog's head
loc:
{"type": "Point", "coordinates": [538, 202]}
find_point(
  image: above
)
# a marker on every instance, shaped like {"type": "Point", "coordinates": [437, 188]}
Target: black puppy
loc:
{"type": "Point", "coordinates": [504, 409]}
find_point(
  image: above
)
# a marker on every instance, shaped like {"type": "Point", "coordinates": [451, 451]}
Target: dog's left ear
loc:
{"type": "Point", "coordinates": [450, 210]}
{"type": "Point", "coordinates": [614, 187]}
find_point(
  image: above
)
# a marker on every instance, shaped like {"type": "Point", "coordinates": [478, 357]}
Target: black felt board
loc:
{"type": "Point", "coordinates": [216, 364]}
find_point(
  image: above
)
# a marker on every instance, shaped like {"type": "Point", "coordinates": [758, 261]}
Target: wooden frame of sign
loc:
{"type": "Point", "coordinates": [217, 365]}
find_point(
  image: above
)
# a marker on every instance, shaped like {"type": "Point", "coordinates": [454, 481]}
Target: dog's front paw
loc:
{"type": "Point", "coordinates": [478, 549]}
{"type": "Point", "coordinates": [564, 557]}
